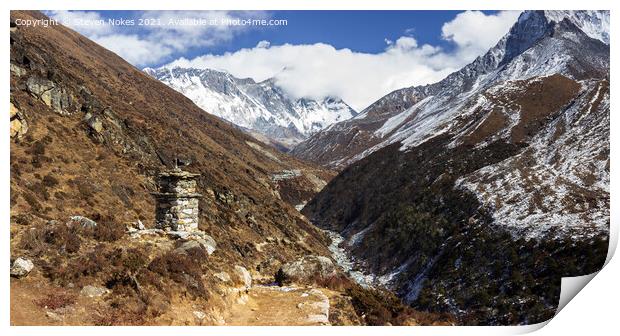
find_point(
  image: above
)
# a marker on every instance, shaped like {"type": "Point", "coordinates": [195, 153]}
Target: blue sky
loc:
{"type": "Point", "coordinates": [363, 31]}
{"type": "Point", "coordinates": [356, 55]}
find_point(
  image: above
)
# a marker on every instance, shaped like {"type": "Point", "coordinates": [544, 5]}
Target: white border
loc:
{"type": "Point", "coordinates": [593, 312]}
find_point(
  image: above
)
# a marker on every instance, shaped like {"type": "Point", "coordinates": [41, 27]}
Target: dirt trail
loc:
{"type": "Point", "coordinates": [277, 306]}
{"type": "Point", "coordinates": [260, 305]}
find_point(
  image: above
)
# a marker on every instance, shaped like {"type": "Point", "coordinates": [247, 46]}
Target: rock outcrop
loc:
{"type": "Point", "coordinates": [244, 275]}
{"type": "Point", "coordinates": [21, 267]}
{"type": "Point", "coordinates": [306, 270]}
{"type": "Point", "coordinates": [84, 222]}
{"type": "Point", "coordinates": [94, 291]}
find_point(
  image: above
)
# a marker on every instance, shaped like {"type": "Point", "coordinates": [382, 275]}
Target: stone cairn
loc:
{"type": "Point", "coordinates": [177, 201]}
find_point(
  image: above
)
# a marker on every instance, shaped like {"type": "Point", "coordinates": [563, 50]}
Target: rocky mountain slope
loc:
{"type": "Point", "coordinates": [418, 112]}
{"type": "Point", "coordinates": [89, 134]}
{"type": "Point", "coordinates": [475, 195]}
{"type": "Point", "coordinates": [262, 107]}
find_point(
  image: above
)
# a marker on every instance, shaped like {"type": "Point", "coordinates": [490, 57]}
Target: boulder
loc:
{"type": "Point", "coordinates": [135, 227]}
{"type": "Point", "coordinates": [188, 245]}
{"type": "Point", "coordinates": [94, 123]}
{"type": "Point", "coordinates": [137, 234]}
{"type": "Point", "coordinates": [208, 243]}
{"type": "Point", "coordinates": [223, 276]}
{"type": "Point", "coordinates": [93, 291]}
{"type": "Point", "coordinates": [13, 110]}
{"type": "Point", "coordinates": [50, 93]}
{"type": "Point", "coordinates": [178, 234]}
{"type": "Point", "coordinates": [16, 127]}
{"type": "Point", "coordinates": [244, 275]}
{"type": "Point", "coordinates": [199, 315]}
{"type": "Point", "coordinates": [17, 70]}
{"type": "Point", "coordinates": [225, 197]}
{"type": "Point", "coordinates": [53, 316]}
{"type": "Point", "coordinates": [21, 267]}
{"type": "Point", "coordinates": [83, 221]}
{"type": "Point", "coordinates": [307, 269]}
{"type": "Point", "coordinates": [18, 123]}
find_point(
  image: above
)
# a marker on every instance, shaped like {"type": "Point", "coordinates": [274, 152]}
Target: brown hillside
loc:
{"type": "Point", "coordinates": [89, 132]}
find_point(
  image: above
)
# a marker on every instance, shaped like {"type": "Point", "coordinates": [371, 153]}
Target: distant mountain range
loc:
{"type": "Point", "coordinates": [261, 107]}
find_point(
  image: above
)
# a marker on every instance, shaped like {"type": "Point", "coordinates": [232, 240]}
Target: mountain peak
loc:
{"type": "Point", "coordinates": [593, 23]}
{"type": "Point", "coordinates": [263, 107]}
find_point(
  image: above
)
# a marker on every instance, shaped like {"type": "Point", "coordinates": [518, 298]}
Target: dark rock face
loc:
{"type": "Point", "coordinates": [458, 207]}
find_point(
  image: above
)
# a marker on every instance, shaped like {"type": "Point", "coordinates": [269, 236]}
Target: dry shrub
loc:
{"type": "Point", "coordinates": [22, 219]}
{"type": "Point", "coordinates": [32, 201]}
{"type": "Point", "coordinates": [43, 237]}
{"type": "Point", "coordinates": [85, 188]}
{"type": "Point", "coordinates": [379, 307]}
{"type": "Point", "coordinates": [116, 267]}
{"type": "Point", "coordinates": [37, 148]}
{"type": "Point", "coordinates": [56, 300]}
{"type": "Point", "coordinates": [129, 311]}
{"type": "Point", "coordinates": [88, 265]}
{"type": "Point", "coordinates": [183, 268]}
{"type": "Point", "coordinates": [337, 283]}
{"type": "Point", "coordinates": [50, 181]}
{"type": "Point", "coordinates": [108, 230]}
{"type": "Point", "coordinates": [39, 189]}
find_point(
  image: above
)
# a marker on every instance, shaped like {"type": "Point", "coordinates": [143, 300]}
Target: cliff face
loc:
{"type": "Point", "coordinates": [493, 185]}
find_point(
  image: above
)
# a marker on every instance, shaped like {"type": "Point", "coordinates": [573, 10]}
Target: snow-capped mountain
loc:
{"type": "Point", "coordinates": [489, 185]}
{"type": "Point", "coordinates": [262, 107]}
{"type": "Point", "coordinates": [400, 116]}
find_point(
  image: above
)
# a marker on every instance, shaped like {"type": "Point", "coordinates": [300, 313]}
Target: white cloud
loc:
{"type": "Point", "coordinates": [310, 70]}
{"type": "Point", "coordinates": [87, 23]}
{"type": "Point", "coordinates": [319, 70]}
{"type": "Point", "coordinates": [475, 32]}
{"type": "Point", "coordinates": [134, 49]}
{"type": "Point", "coordinates": [167, 32]}
{"type": "Point", "coordinates": [263, 44]}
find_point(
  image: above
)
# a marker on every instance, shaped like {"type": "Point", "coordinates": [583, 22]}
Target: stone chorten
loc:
{"type": "Point", "coordinates": [177, 201]}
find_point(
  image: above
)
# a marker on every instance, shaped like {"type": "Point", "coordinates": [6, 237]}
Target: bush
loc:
{"type": "Point", "coordinates": [60, 238]}
{"type": "Point", "coordinates": [56, 300]}
{"type": "Point", "coordinates": [39, 189]}
{"type": "Point", "coordinates": [32, 201]}
{"type": "Point", "coordinates": [38, 148]}
{"type": "Point", "coordinates": [185, 269]}
{"type": "Point", "coordinates": [85, 188]}
{"type": "Point", "coordinates": [129, 310]}
{"type": "Point", "coordinates": [108, 230]}
{"type": "Point", "coordinates": [50, 181]}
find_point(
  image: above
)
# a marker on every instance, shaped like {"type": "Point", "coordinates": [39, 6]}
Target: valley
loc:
{"type": "Point", "coordinates": [457, 202]}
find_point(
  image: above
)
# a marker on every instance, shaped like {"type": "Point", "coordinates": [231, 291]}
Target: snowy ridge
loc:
{"type": "Point", "coordinates": [560, 183]}
{"type": "Point", "coordinates": [524, 129]}
{"type": "Point", "coordinates": [541, 43]}
{"type": "Point", "coordinates": [594, 23]}
{"type": "Point", "coordinates": [262, 107]}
